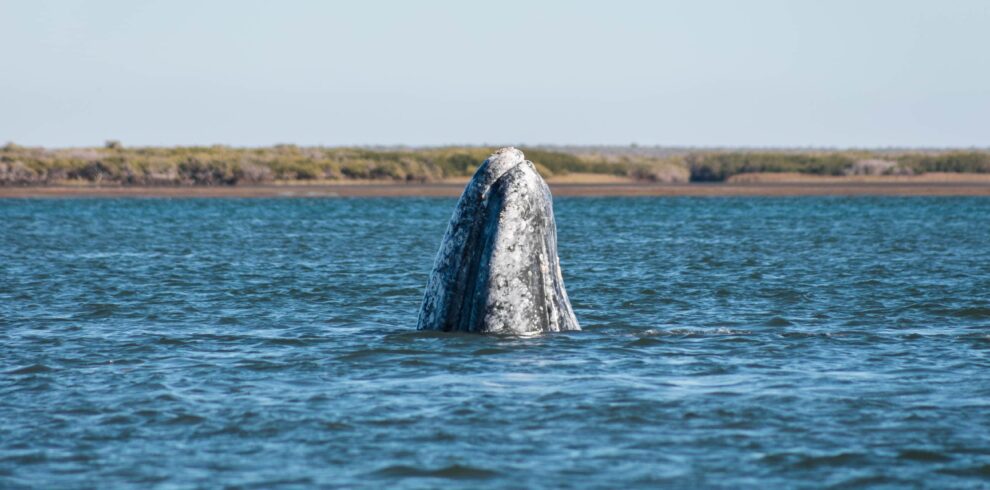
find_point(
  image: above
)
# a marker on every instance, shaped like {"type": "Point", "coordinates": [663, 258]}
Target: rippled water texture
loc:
{"type": "Point", "coordinates": [727, 343]}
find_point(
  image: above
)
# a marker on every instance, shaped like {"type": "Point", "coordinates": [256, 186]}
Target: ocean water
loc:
{"type": "Point", "coordinates": [727, 343]}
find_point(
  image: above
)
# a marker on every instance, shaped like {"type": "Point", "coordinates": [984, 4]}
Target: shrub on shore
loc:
{"type": "Point", "coordinates": [953, 161]}
{"type": "Point", "coordinates": [716, 167]}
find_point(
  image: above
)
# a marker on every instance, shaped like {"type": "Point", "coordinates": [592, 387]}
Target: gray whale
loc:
{"type": "Point", "coordinates": [497, 270]}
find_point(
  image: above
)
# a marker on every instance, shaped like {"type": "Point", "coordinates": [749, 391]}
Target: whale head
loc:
{"type": "Point", "coordinates": [497, 269]}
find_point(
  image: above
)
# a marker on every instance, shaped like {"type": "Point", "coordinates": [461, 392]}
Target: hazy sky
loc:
{"type": "Point", "coordinates": [748, 73]}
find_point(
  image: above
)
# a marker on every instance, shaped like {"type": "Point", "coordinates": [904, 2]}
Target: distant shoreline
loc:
{"type": "Point", "coordinates": [980, 187]}
{"type": "Point", "coordinates": [117, 165]}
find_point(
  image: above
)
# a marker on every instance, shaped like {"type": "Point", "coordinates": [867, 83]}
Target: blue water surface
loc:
{"type": "Point", "coordinates": [264, 343]}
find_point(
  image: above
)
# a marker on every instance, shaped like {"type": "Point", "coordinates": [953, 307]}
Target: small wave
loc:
{"type": "Point", "coordinates": [291, 341]}
{"type": "Point", "coordinates": [801, 335]}
{"type": "Point", "coordinates": [694, 332]}
{"type": "Point", "coordinates": [452, 472]}
{"type": "Point", "coordinates": [976, 337]}
{"type": "Point", "coordinates": [96, 311]}
{"type": "Point", "coordinates": [336, 426]}
{"type": "Point", "coordinates": [170, 341]}
{"type": "Point", "coordinates": [228, 320]}
{"type": "Point", "coordinates": [488, 351]}
{"type": "Point", "coordinates": [809, 461]}
{"type": "Point", "coordinates": [186, 419]}
{"type": "Point", "coordinates": [414, 363]}
{"type": "Point", "coordinates": [32, 369]}
{"type": "Point", "coordinates": [871, 481]}
{"type": "Point", "coordinates": [415, 335]}
{"type": "Point", "coordinates": [362, 354]}
{"type": "Point", "coordinates": [976, 312]}
{"type": "Point", "coordinates": [394, 422]}
{"type": "Point", "coordinates": [922, 455]}
{"type": "Point", "coordinates": [116, 420]}
{"type": "Point", "coordinates": [982, 471]}
{"type": "Point", "coordinates": [778, 321]}
{"type": "Point", "coordinates": [35, 457]}
{"type": "Point", "coordinates": [304, 481]}
{"type": "Point", "coordinates": [221, 337]}
{"type": "Point", "coordinates": [259, 365]}
{"type": "Point", "coordinates": [645, 342]}
{"type": "Point", "coordinates": [838, 459]}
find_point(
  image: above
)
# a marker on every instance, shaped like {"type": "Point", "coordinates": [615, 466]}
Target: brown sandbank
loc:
{"type": "Point", "coordinates": [803, 186]}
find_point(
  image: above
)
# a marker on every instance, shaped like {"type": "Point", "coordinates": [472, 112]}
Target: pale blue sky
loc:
{"type": "Point", "coordinates": [739, 73]}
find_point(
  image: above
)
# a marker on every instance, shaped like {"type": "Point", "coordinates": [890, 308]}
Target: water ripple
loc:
{"type": "Point", "coordinates": [793, 343]}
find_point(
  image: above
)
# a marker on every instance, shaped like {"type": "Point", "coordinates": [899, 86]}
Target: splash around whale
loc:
{"type": "Point", "coordinates": [497, 270]}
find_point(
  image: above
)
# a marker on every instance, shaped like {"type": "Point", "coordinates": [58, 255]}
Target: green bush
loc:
{"type": "Point", "coordinates": [717, 167]}
{"type": "Point", "coordinates": [955, 161]}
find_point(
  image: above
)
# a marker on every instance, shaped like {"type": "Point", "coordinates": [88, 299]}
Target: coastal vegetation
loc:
{"type": "Point", "coordinates": [116, 164]}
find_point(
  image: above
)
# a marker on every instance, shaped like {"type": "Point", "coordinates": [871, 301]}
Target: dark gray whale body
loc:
{"type": "Point", "coordinates": [497, 270]}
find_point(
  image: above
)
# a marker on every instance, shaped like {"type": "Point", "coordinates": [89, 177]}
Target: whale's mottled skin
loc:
{"type": "Point", "coordinates": [497, 270]}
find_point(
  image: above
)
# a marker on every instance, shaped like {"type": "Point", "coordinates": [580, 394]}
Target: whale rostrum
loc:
{"type": "Point", "coordinates": [497, 270]}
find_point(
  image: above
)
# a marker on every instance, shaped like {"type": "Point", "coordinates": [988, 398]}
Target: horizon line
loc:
{"type": "Point", "coordinates": [630, 146]}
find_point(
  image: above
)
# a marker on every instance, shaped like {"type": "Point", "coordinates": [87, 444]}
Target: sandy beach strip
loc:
{"type": "Point", "coordinates": [858, 188]}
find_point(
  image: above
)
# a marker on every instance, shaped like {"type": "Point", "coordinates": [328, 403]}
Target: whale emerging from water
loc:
{"type": "Point", "coordinates": [497, 270]}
